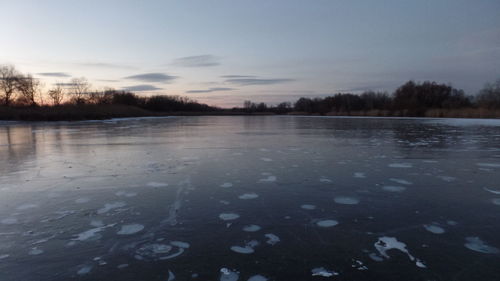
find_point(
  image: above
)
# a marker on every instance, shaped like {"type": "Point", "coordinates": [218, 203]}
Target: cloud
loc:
{"type": "Point", "coordinates": [105, 65]}
{"type": "Point", "coordinates": [257, 81]}
{"type": "Point", "coordinates": [238, 76]}
{"type": "Point", "coordinates": [65, 85]}
{"type": "Point", "coordinates": [210, 90]}
{"type": "Point", "coordinates": [152, 77]}
{"type": "Point", "coordinates": [54, 74]}
{"type": "Point", "coordinates": [141, 88]}
{"type": "Point", "coordinates": [197, 61]}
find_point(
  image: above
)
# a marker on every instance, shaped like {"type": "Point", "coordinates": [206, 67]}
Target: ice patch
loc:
{"type": "Point", "coordinates": [157, 184]}
{"type": "Point", "coordinates": [489, 165]}
{"type": "Point", "coordinates": [257, 278]}
{"type": "Point", "coordinates": [84, 270]}
{"type": "Point", "coordinates": [491, 190]}
{"type": "Point", "coordinates": [434, 228]}
{"type": "Point", "coordinates": [248, 196]}
{"type": "Point", "coordinates": [110, 206]}
{"type": "Point", "coordinates": [180, 244]}
{"type": "Point", "coordinates": [308, 207]}
{"type": "Point", "coordinates": [447, 178]}
{"type": "Point", "coordinates": [268, 179]}
{"type": "Point", "coordinates": [401, 181]}
{"type": "Point", "coordinates": [226, 185]}
{"type": "Point", "coordinates": [228, 216]}
{"type": "Point", "coordinates": [9, 221]}
{"type": "Point", "coordinates": [122, 266]}
{"type": "Point", "coordinates": [325, 180]}
{"type": "Point", "coordinates": [385, 244]}
{"type": "Point", "coordinates": [125, 194]}
{"type": "Point", "coordinates": [171, 276]}
{"type": "Point", "coordinates": [358, 265]}
{"type": "Point", "coordinates": [4, 256]}
{"type": "Point", "coordinates": [247, 249]}
{"type": "Point", "coordinates": [96, 223]}
{"type": "Point", "coordinates": [228, 275]}
{"type": "Point", "coordinates": [82, 200]}
{"type": "Point", "coordinates": [35, 251]}
{"type": "Point", "coordinates": [496, 201]}
{"type": "Point", "coordinates": [130, 229]}
{"type": "Point", "coordinates": [89, 233]}
{"type": "Point", "coordinates": [265, 159]}
{"type": "Point", "coordinates": [391, 188]}
{"type": "Point", "coordinates": [359, 175]}
{"type": "Point", "coordinates": [401, 165]}
{"type": "Point", "coordinates": [327, 223]}
{"type": "Point", "coordinates": [26, 206]}
{"type": "Point", "coordinates": [272, 239]}
{"type": "Point", "coordinates": [251, 228]}
{"type": "Point", "coordinates": [323, 272]}
{"type": "Point", "coordinates": [478, 245]}
{"type": "Point", "coordinates": [346, 200]}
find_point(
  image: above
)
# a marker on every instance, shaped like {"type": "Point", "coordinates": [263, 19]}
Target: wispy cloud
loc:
{"type": "Point", "coordinates": [54, 74]}
{"type": "Point", "coordinates": [104, 65]}
{"type": "Point", "coordinates": [152, 77]}
{"type": "Point", "coordinates": [238, 76]}
{"type": "Point", "coordinates": [257, 81]}
{"type": "Point", "coordinates": [210, 90]}
{"type": "Point", "coordinates": [65, 85]}
{"type": "Point", "coordinates": [198, 61]}
{"type": "Point", "coordinates": [141, 88]}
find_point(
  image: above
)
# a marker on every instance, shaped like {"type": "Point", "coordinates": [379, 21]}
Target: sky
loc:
{"type": "Point", "coordinates": [227, 51]}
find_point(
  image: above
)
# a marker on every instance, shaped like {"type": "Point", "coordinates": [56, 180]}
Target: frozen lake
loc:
{"type": "Point", "coordinates": [250, 198]}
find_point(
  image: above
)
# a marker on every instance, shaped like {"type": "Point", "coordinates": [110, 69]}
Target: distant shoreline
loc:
{"type": "Point", "coordinates": [107, 112]}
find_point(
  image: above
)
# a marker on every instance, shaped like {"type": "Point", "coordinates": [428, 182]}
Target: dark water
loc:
{"type": "Point", "coordinates": [302, 198]}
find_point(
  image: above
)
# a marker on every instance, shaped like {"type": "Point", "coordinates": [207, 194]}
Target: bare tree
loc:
{"type": "Point", "coordinates": [79, 88]}
{"type": "Point", "coordinates": [29, 88]}
{"type": "Point", "coordinates": [8, 83]}
{"type": "Point", "coordinates": [56, 94]}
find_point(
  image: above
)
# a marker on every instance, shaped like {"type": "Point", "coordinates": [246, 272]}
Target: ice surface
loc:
{"type": "Point", "coordinates": [489, 165]}
{"type": "Point", "coordinates": [492, 190]}
{"type": "Point", "coordinates": [496, 201]}
{"type": "Point", "coordinates": [257, 277]}
{"type": "Point", "coordinates": [247, 249]}
{"type": "Point", "coordinates": [308, 207]}
{"type": "Point", "coordinates": [129, 229]}
{"type": "Point", "coordinates": [265, 159]}
{"type": "Point", "coordinates": [35, 251]}
{"type": "Point", "coordinates": [401, 165]}
{"type": "Point", "coordinates": [392, 188]}
{"type": "Point", "coordinates": [226, 184]}
{"type": "Point", "coordinates": [384, 244]}
{"type": "Point", "coordinates": [272, 239]}
{"type": "Point", "coordinates": [327, 223]}
{"type": "Point", "coordinates": [180, 244]}
{"type": "Point", "coordinates": [478, 245]}
{"type": "Point", "coordinates": [251, 228]}
{"type": "Point", "coordinates": [9, 221]}
{"type": "Point", "coordinates": [82, 200]}
{"type": "Point", "coordinates": [84, 270]}
{"type": "Point", "coordinates": [228, 274]}
{"type": "Point", "coordinates": [359, 175]}
{"type": "Point", "coordinates": [401, 181]}
{"type": "Point", "coordinates": [323, 272]}
{"type": "Point", "coordinates": [345, 200]}
{"type": "Point", "coordinates": [27, 206]}
{"type": "Point", "coordinates": [269, 178]}
{"type": "Point", "coordinates": [228, 216]}
{"type": "Point", "coordinates": [247, 196]}
{"type": "Point", "coordinates": [126, 194]}
{"type": "Point", "coordinates": [434, 228]}
{"type": "Point", "coordinates": [110, 206]}
{"type": "Point", "coordinates": [157, 184]}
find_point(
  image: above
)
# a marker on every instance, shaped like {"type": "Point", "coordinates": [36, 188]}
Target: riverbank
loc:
{"type": "Point", "coordinates": [102, 112]}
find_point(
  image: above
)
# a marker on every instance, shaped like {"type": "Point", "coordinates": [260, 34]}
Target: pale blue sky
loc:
{"type": "Point", "coordinates": [223, 52]}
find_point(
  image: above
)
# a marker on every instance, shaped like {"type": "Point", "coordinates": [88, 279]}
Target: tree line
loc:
{"type": "Point", "coordinates": [410, 99]}
{"type": "Point", "coordinates": [17, 90]}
